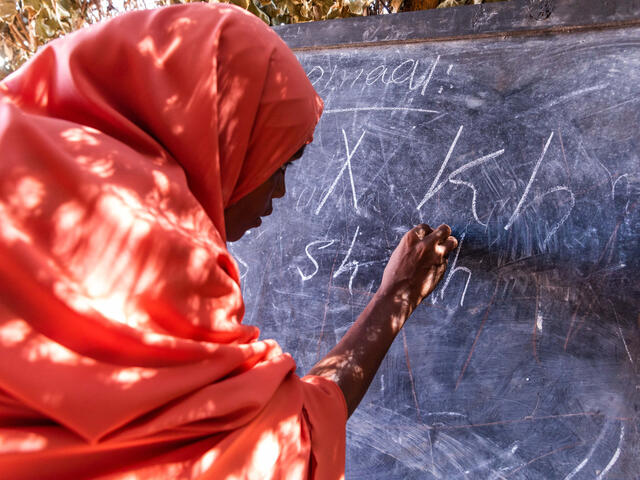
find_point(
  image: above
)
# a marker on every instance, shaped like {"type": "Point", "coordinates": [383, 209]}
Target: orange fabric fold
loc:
{"type": "Point", "coordinates": [122, 348]}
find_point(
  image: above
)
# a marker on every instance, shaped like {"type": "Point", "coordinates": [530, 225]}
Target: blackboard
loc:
{"type": "Point", "coordinates": [518, 124]}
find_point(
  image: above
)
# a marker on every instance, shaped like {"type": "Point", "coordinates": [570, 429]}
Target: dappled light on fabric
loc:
{"type": "Point", "coordinates": [22, 442]}
{"type": "Point", "coordinates": [122, 348]}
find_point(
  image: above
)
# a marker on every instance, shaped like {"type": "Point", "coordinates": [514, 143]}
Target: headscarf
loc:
{"type": "Point", "coordinates": [122, 352]}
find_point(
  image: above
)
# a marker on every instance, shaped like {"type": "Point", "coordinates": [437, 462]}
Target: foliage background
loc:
{"type": "Point", "coordinates": [25, 25]}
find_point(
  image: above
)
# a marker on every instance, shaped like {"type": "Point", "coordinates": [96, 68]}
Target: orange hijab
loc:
{"type": "Point", "coordinates": [122, 352]}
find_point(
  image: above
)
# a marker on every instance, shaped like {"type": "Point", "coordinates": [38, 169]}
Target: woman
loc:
{"type": "Point", "coordinates": [132, 151]}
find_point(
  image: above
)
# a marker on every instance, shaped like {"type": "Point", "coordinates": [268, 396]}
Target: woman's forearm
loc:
{"type": "Point", "coordinates": [414, 269]}
{"type": "Point", "coordinates": [354, 361]}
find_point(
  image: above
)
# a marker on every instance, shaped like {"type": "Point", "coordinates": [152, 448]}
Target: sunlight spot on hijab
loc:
{"type": "Point", "coordinates": [196, 267]}
{"type": "Point", "coordinates": [180, 24]}
{"type": "Point", "coordinates": [116, 307]}
{"type": "Point", "coordinates": [14, 332]}
{"type": "Point", "coordinates": [107, 279]}
{"type": "Point", "coordinates": [158, 339]}
{"type": "Point", "coordinates": [42, 349]}
{"type": "Point", "coordinates": [81, 135]}
{"type": "Point", "coordinates": [148, 47]}
{"type": "Point", "coordinates": [9, 232]}
{"type": "Point", "coordinates": [127, 377]}
{"type": "Point", "coordinates": [194, 302]}
{"type": "Point", "coordinates": [41, 93]}
{"type": "Point", "coordinates": [103, 167]}
{"type": "Point", "coordinates": [265, 456]}
{"type": "Point", "coordinates": [12, 441]}
{"type": "Point", "coordinates": [204, 463]}
{"type": "Point", "coordinates": [28, 194]}
{"type": "Point", "coordinates": [161, 181]}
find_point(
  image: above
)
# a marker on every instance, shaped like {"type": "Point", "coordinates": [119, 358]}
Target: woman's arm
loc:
{"type": "Point", "coordinates": [414, 269]}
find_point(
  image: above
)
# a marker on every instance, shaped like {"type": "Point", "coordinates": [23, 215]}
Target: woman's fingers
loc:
{"type": "Point", "coordinates": [442, 233]}
{"type": "Point", "coordinates": [441, 239]}
{"type": "Point", "coordinates": [443, 242]}
{"type": "Point", "coordinates": [418, 263]}
{"type": "Point", "coordinates": [420, 231]}
{"type": "Point", "coordinates": [451, 244]}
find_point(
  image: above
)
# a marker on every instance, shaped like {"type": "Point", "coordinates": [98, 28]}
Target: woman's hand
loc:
{"type": "Point", "coordinates": [417, 265]}
{"type": "Point", "coordinates": [414, 269]}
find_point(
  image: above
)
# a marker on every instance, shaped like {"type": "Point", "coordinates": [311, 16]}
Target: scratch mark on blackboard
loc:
{"type": "Point", "coordinates": [534, 341]}
{"type": "Point", "coordinates": [573, 320]}
{"type": "Point", "coordinates": [610, 242]}
{"type": "Point", "coordinates": [359, 291]}
{"type": "Point", "coordinates": [516, 212]}
{"type": "Point", "coordinates": [513, 264]}
{"type": "Point", "coordinates": [413, 385]}
{"type": "Point", "coordinates": [533, 460]}
{"type": "Point", "coordinates": [473, 346]}
{"type": "Point", "coordinates": [415, 399]}
{"type": "Point", "coordinates": [372, 427]}
{"type": "Point", "coordinates": [502, 457]}
{"type": "Point", "coordinates": [535, 409]}
{"type": "Point", "coordinates": [576, 93]}
{"type": "Point", "coordinates": [380, 109]}
{"type": "Point", "coordinates": [447, 414]}
{"type": "Point", "coordinates": [564, 156]}
{"type": "Point", "coordinates": [243, 263]}
{"type": "Point", "coordinates": [615, 456]}
{"type": "Point", "coordinates": [624, 342]}
{"type": "Point", "coordinates": [520, 420]}
{"type": "Point", "coordinates": [435, 119]}
{"type": "Point", "coordinates": [584, 151]}
{"type": "Point", "coordinates": [588, 311]}
{"type": "Point", "coordinates": [263, 285]}
{"type": "Point", "coordinates": [586, 459]}
{"type": "Point", "coordinates": [633, 99]}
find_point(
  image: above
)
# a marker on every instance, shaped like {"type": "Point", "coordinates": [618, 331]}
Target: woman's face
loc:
{"type": "Point", "coordinates": [245, 213]}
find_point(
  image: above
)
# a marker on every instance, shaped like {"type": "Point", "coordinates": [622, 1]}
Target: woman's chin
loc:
{"type": "Point", "coordinates": [235, 236]}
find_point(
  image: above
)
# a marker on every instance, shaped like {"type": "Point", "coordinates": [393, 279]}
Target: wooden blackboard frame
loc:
{"type": "Point", "coordinates": [508, 19]}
